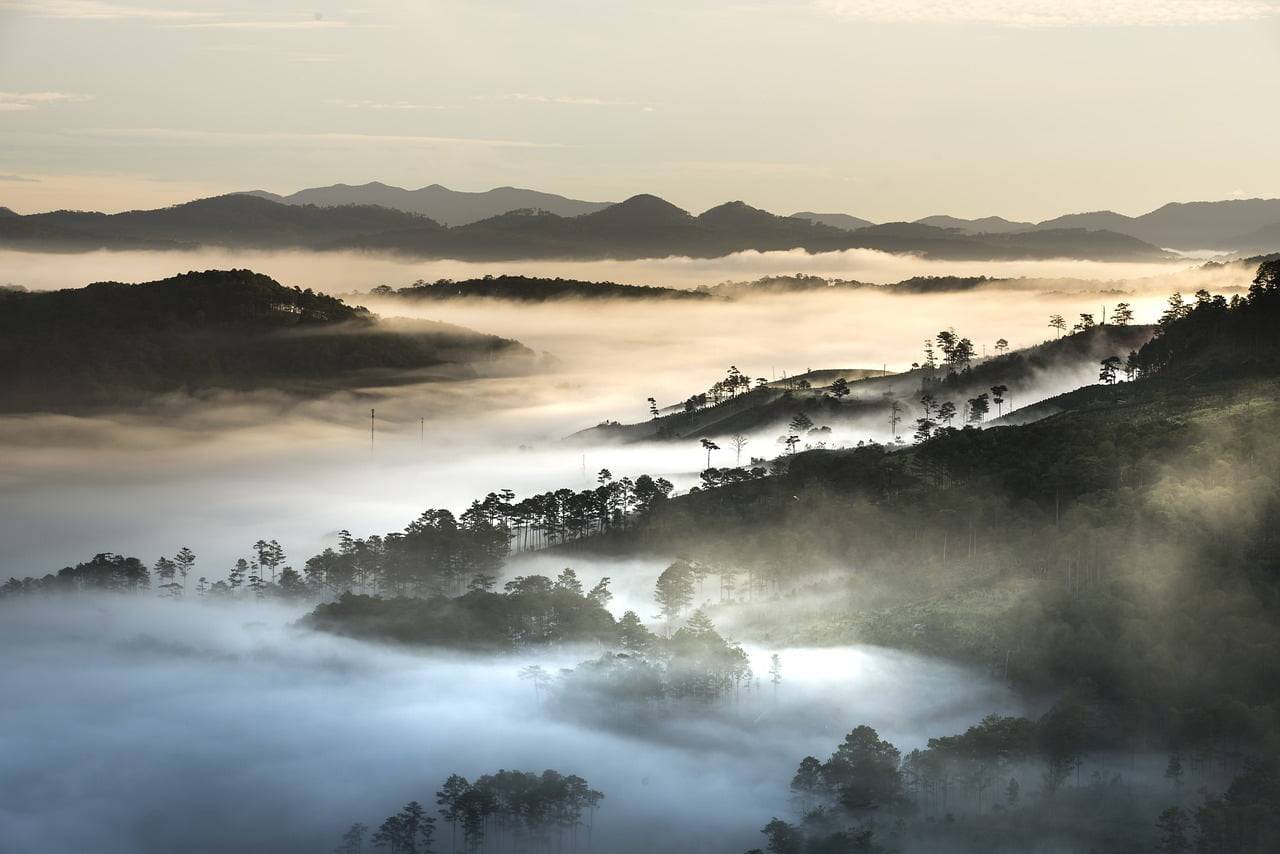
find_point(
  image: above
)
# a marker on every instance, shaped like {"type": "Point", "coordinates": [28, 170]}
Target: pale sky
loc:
{"type": "Point", "coordinates": [886, 109]}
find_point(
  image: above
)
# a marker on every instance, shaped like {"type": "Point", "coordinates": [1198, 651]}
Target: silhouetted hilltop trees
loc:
{"type": "Point", "coordinates": [1210, 334]}
{"type": "Point", "coordinates": [531, 289]}
{"type": "Point", "coordinates": [111, 344]}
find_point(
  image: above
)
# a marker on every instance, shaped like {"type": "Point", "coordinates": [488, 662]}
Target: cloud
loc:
{"type": "Point", "coordinates": [385, 105]}
{"type": "Point", "coordinates": [197, 136]}
{"type": "Point", "coordinates": [16, 102]}
{"type": "Point", "coordinates": [528, 98]}
{"type": "Point", "coordinates": [19, 179]}
{"type": "Point", "coordinates": [1053, 13]}
{"type": "Point", "coordinates": [94, 10]}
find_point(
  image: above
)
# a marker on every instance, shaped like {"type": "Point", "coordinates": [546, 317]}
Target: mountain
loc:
{"type": "Point", "coordinates": [835, 220]}
{"type": "Point", "coordinates": [643, 226]}
{"type": "Point", "coordinates": [982, 225]}
{"type": "Point", "coordinates": [1221, 225]}
{"type": "Point", "coordinates": [232, 220]}
{"type": "Point", "coordinates": [111, 344]}
{"type": "Point", "coordinates": [445, 206]}
{"type": "Point", "coordinates": [7, 212]}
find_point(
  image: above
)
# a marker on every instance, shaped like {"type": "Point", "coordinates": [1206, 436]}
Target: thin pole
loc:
{"type": "Point", "coordinates": [371, 415]}
{"type": "Point", "coordinates": [422, 431]}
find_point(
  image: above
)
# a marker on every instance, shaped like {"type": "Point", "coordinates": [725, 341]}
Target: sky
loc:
{"type": "Point", "coordinates": [885, 109]}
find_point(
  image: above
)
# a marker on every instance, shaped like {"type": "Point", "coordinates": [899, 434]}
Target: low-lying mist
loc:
{"type": "Point", "coordinates": [136, 726]}
{"type": "Point", "coordinates": [218, 471]}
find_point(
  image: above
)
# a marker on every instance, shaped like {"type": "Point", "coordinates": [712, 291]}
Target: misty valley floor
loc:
{"type": "Point", "coordinates": [227, 724]}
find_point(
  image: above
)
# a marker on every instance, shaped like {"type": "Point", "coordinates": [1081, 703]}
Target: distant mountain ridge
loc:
{"type": "Point", "coordinates": [643, 226]}
{"type": "Point", "coordinates": [445, 206]}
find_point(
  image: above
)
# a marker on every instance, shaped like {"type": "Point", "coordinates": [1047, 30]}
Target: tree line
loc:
{"type": "Point", "coordinates": [513, 811]}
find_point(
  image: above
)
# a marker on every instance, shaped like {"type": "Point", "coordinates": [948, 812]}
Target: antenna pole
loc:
{"type": "Point", "coordinates": [371, 422]}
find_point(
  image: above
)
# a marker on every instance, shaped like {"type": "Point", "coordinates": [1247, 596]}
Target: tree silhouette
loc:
{"type": "Point", "coordinates": [407, 832]}
{"type": "Point", "coordinates": [1058, 322]}
{"type": "Point", "coordinates": [709, 446]}
{"type": "Point", "coordinates": [1108, 369]}
{"type": "Point", "coordinates": [653, 408]}
{"type": "Point", "coordinates": [1122, 315]}
{"type": "Point", "coordinates": [840, 388]}
{"type": "Point", "coordinates": [997, 397]}
{"type": "Point", "coordinates": [801, 424]}
{"type": "Point", "coordinates": [352, 841]}
{"type": "Point", "coordinates": [739, 441]}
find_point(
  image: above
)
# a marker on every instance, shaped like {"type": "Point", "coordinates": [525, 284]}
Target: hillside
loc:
{"type": "Point", "coordinates": [643, 226]}
{"type": "Point", "coordinates": [445, 206]}
{"type": "Point", "coordinates": [113, 344]}
{"type": "Point", "coordinates": [1028, 375]}
{"type": "Point", "coordinates": [1118, 557]}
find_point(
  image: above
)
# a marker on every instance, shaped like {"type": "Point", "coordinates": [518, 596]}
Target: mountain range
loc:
{"type": "Point", "coordinates": [643, 226]}
{"type": "Point", "coordinates": [1236, 225]}
{"type": "Point", "coordinates": [445, 206]}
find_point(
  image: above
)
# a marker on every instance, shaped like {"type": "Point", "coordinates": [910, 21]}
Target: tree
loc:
{"type": "Point", "coordinates": [801, 424]}
{"type": "Point", "coordinates": [1056, 321]}
{"type": "Point", "coordinates": [674, 590]}
{"type": "Point", "coordinates": [864, 771]}
{"type": "Point", "coordinates": [895, 416]}
{"type": "Point", "coordinates": [978, 408]}
{"type": "Point", "coordinates": [448, 799]}
{"type": "Point", "coordinates": [775, 673]}
{"type": "Point", "coordinates": [790, 441]}
{"type": "Point", "coordinates": [739, 441]}
{"type": "Point", "coordinates": [997, 397]}
{"type": "Point", "coordinates": [407, 832]}
{"type": "Point", "coordinates": [186, 561]}
{"type": "Point", "coordinates": [1173, 770]}
{"type": "Point", "coordinates": [783, 838]}
{"type": "Point", "coordinates": [540, 679]}
{"type": "Point", "coordinates": [653, 408]}
{"type": "Point", "coordinates": [1122, 315]}
{"type": "Point", "coordinates": [840, 388]}
{"type": "Point", "coordinates": [1011, 792]}
{"type": "Point", "coordinates": [1002, 345]}
{"type": "Point", "coordinates": [1108, 369]}
{"type": "Point", "coordinates": [709, 446]}
{"type": "Point", "coordinates": [1086, 323]}
{"type": "Point", "coordinates": [352, 840]}
{"type": "Point", "coordinates": [1171, 830]}
{"type": "Point", "coordinates": [946, 413]}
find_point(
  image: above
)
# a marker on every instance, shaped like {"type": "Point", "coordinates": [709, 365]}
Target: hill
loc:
{"type": "Point", "coordinates": [982, 225]}
{"type": "Point", "coordinates": [445, 206]}
{"type": "Point", "coordinates": [865, 402]}
{"type": "Point", "coordinates": [532, 289]}
{"type": "Point", "coordinates": [835, 220]}
{"type": "Point", "coordinates": [643, 226]}
{"type": "Point", "coordinates": [1221, 225]}
{"type": "Point", "coordinates": [1118, 557]}
{"type": "Point", "coordinates": [113, 344]}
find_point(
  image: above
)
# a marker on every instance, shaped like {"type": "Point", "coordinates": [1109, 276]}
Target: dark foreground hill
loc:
{"type": "Point", "coordinates": [641, 227]}
{"type": "Point", "coordinates": [112, 344]}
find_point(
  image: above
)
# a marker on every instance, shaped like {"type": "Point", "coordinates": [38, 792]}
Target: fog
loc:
{"type": "Point", "coordinates": [219, 472]}
{"type": "Point", "coordinates": [135, 726]}
{"type": "Point", "coordinates": [345, 271]}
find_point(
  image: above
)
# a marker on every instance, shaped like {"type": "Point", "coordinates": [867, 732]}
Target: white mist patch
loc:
{"type": "Point", "coordinates": [229, 729]}
{"type": "Point", "coordinates": [337, 272]}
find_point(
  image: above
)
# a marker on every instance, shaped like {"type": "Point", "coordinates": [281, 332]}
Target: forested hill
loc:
{"type": "Point", "coordinates": [531, 289]}
{"type": "Point", "coordinates": [1121, 553]}
{"type": "Point", "coordinates": [115, 344]}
